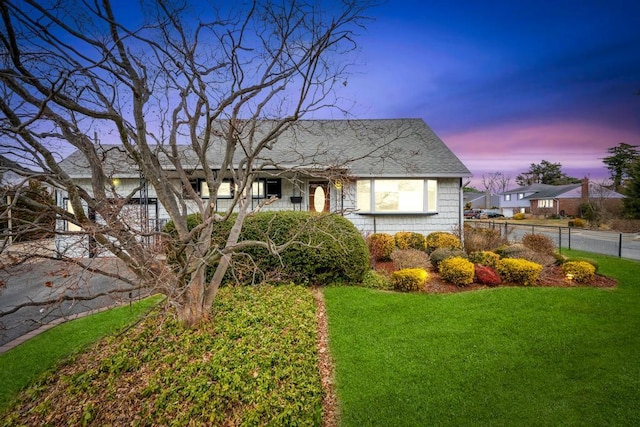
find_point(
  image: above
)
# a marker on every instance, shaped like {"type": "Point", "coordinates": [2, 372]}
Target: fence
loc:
{"type": "Point", "coordinates": [623, 245]}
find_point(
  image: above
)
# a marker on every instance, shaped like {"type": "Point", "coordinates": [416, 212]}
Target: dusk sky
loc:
{"type": "Point", "coordinates": [508, 83]}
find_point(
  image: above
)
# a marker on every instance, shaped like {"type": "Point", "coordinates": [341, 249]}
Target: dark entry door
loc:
{"type": "Point", "coordinates": [319, 197]}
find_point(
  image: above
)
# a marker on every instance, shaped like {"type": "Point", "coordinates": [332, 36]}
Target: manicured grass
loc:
{"type": "Point", "coordinates": [21, 365]}
{"type": "Point", "coordinates": [512, 356]}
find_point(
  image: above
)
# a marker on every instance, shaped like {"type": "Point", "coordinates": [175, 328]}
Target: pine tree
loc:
{"type": "Point", "coordinates": [632, 201]}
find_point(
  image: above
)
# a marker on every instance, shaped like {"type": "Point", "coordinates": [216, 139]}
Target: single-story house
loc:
{"type": "Point", "coordinates": [395, 175]}
{"type": "Point", "coordinates": [562, 200]}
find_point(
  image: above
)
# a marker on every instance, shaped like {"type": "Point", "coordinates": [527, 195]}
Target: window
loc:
{"type": "Point", "coordinates": [71, 226]}
{"type": "Point", "coordinates": [548, 203]}
{"type": "Point", "coordinates": [257, 189]}
{"type": "Point", "coordinates": [225, 190]}
{"type": "Point", "coordinates": [507, 197]}
{"type": "Point", "coordinates": [520, 196]}
{"type": "Point", "coordinates": [274, 188]}
{"type": "Point", "coordinates": [397, 195]}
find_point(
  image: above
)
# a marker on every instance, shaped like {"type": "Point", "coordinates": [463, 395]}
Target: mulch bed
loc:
{"type": "Point", "coordinates": [550, 277]}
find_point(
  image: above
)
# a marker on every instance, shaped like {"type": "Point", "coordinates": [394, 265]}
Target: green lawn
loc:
{"type": "Point", "coordinates": [21, 365]}
{"type": "Point", "coordinates": [512, 356]}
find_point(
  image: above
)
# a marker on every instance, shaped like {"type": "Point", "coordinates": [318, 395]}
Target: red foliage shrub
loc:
{"type": "Point", "coordinates": [487, 275]}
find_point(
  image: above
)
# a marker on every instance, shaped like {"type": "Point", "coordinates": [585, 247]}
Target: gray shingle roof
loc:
{"type": "Point", "coordinates": [552, 191]}
{"type": "Point", "coordinates": [388, 147]}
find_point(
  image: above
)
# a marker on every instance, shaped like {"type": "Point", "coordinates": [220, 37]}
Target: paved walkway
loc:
{"type": "Point", "coordinates": [43, 280]}
{"type": "Point", "coordinates": [26, 337]}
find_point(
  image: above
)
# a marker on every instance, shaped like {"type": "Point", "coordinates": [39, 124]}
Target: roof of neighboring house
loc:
{"type": "Point", "coordinates": [470, 196]}
{"type": "Point", "coordinates": [375, 148]}
{"type": "Point", "coordinates": [546, 191]}
{"type": "Point", "coordinates": [551, 191]}
{"type": "Point", "coordinates": [528, 189]}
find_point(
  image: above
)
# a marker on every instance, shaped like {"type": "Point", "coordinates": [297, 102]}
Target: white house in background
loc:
{"type": "Point", "coordinates": [516, 201]}
{"type": "Point", "coordinates": [398, 175]}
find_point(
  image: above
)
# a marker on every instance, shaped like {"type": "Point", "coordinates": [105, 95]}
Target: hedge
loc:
{"type": "Point", "coordinates": [330, 249]}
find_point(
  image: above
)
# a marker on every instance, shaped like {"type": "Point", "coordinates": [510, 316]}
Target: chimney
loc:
{"type": "Point", "coordinates": [585, 189]}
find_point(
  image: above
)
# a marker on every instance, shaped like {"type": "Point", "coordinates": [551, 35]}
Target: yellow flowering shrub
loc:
{"type": "Point", "coordinates": [409, 279]}
{"type": "Point", "coordinates": [581, 271]}
{"type": "Point", "coordinates": [457, 270]}
{"type": "Point", "coordinates": [518, 270]}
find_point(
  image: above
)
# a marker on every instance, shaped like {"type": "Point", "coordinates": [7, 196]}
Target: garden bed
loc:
{"type": "Point", "coordinates": [549, 277]}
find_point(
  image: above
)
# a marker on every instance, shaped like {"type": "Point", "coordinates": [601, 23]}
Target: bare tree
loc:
{"type": "Point", "coordinates": [601, 204]}
{"type": "Point", "coordinates": [174, 92]}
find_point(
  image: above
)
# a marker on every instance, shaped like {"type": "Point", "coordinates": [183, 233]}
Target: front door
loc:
{"type": "Point", "coordinates": [319, 197]}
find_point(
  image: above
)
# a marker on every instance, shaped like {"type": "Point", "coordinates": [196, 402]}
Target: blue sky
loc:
{"type": "Point", "coordinates": [507, 84]}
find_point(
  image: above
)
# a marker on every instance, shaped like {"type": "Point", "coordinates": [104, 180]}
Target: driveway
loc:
{"type": "Point", "coordinates": [45, 280]}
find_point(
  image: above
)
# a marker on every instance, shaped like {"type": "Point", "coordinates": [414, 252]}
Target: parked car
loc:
{"type": "Point", "coordinates": [492, 214]}
{"type": "Point", "coordinates": [481, 214]}
{"type": "Point", "coordinates": [472, 213]}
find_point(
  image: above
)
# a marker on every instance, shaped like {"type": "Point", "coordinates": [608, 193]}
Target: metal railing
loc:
{"type": "Point", "coordinates": [623, 245]}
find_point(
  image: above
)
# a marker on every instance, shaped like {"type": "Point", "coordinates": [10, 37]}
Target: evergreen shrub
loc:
{"type": "Point", "coordinates": [457, 270]}
{"type": "Point", "coordinates": [486, 258]}
{"type": "Point", "coordinates": [374, 280]}
{"type": "Point", "coordinates": [330, 249]}
{"type": "Point", "coordinates": [442, 239]}
{"type": "Point", "coordinates": [582, 271]}
{"type": "Point", "coordinates": [381, 246]}
{"type": "Point", "coordinates": [441, 254]}
{"type": "Point", "coordinates": [410, 240]}
{"type": "Point", "coordinates": [518, 271]}
{"type": "Point", "coordinates": [409, 279]}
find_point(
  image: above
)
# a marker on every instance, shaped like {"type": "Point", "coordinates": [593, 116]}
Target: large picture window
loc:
{"type": "Point", "coordinates": [397, 195]}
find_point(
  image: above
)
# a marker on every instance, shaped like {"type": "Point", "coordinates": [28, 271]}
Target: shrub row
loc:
{"type": "Point", "coordinates": [382, 245]}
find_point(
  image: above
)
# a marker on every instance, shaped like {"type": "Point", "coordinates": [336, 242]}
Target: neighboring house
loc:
{"type": "Point", "coordinates": [397, 175]}
{"type": "Point", "coordinates": [477, 200]}
{"type": "Point", "coordinates": [515, 201]}
{"type": "Point", "coordinates": [562, 200]}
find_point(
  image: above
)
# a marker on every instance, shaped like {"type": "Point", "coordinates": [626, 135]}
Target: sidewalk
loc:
{"type": "Point", "coordinates": [26, 337]}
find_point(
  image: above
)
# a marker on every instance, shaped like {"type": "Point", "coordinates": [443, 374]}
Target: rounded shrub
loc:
{"type": "Point", "coordinates": [409, 258]}
{"type": "Point", "coordinates": [486, 275]}
{"type": "Point", "coordinates": [519, 216]}
{"type": "Point", "coordinates": [581, 271]}
{"type": "Point", "coordinates": [457, 270]}
{"type": "Point", "coordinates": [326, 249]}
{"type": "Point", "coordinates": [593, 262]}
{"type": "Point", "coordinates": [539, 243]}
{"type": "Point", "coordinates": [518, 250]}
{"type": "Point", "coordinates": [409, 279]}
{"type": "Point", "coordinates": [441, 254]}
{"type": "Point", "coordinates": [375, 280]}
{"type": "Point", "coordinates": [410, 240]}
{"type": "Point", "coordinates": [381, 246]}
{"type": "Point", "coordinates": [442, 239]}
{"type": "Point", "coordinates": [487, 258]}
{"type": "Point", "coordinates": [578, 222]}
{"type": "Point", "coordinates": [518, 271]}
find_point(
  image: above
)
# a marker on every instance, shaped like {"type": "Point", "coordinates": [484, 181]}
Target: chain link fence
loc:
{"type": "Point", "coordinates": [623, 245]}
